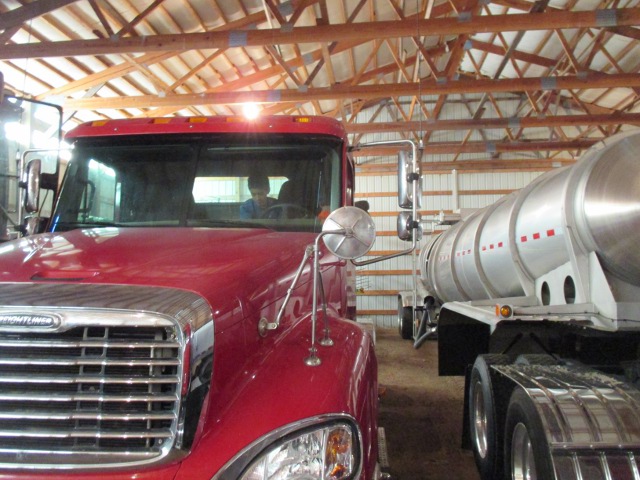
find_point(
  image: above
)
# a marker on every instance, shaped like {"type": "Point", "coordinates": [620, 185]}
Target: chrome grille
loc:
{"type": "Point", "coordinates": [109, 392]}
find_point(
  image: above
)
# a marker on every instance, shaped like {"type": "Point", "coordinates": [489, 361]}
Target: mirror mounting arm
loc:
{"type": "Point", "coordinates": [348, 233]}
{"type": "Point", "coordinates": [313, 360]}
{"type": "Point", "coordinates": [360, 263]}
{"type": "Point", "coordinates": [264, 325]}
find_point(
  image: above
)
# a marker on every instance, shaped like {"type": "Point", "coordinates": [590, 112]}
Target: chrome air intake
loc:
{"type": "Point", "coordinates": [95, 375]}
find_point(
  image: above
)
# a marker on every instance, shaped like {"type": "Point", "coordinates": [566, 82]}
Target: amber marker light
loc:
{"type": "Point", "coordinates": [338, 452]}
{"type": "Point", "coordinates": [504, 311]}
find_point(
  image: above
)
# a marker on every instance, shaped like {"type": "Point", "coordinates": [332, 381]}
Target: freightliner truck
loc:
{"type": "Point", "coordinates": [151, 332]}
{"type": "Point", "coordinates": [537, 301]}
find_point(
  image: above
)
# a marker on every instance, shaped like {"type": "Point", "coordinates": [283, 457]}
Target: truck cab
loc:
{"type": "Point", "coordinates": [154, 330]}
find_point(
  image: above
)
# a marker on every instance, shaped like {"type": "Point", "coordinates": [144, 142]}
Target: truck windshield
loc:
{"type": "Point", "coordinates": [283, 182]}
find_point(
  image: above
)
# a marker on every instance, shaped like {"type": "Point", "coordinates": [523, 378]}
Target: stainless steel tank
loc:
{"type": "Point", "coordinates": [499, 251]}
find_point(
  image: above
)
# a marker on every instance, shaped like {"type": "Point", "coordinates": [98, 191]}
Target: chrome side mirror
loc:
{"type": "Point", "coordinates": [406, 226]}
{"type": "Point", "coordinates": [349, 232]}
{"type": "Point", "coordinates": [406, 179]}
{"type": "Point", "coordinates": [32, 186]}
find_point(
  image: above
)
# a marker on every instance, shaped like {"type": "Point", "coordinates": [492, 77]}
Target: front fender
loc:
{"type": "Point", "coordinates": [276, 388]}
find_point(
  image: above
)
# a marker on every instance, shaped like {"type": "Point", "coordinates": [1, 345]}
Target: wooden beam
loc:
{"type": "Point", "coordinates": [469, 165]}
{"type": "Point", "coordinates": [427, 87]}
{"type": "Point", "coordinates": [488, 123]}
{"type": "Point", "coordinates": [18, 16]}
{"type": "Point", "coordinates": [484, 147]}
{"type": "Point", "coordinates": [124, 68]}
{"type": "Point", "coordinates": [516, 54]}
{"type": "Point", "coordinates": [626, 31]}
{"type": "Point", "coordinates": [329, 33]}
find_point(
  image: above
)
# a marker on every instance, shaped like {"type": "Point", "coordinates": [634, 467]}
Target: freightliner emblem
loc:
{"type": "Point", "coordinates": [28, 321]}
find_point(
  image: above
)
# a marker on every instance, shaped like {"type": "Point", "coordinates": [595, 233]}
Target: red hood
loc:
{"type": "Point", "coordinates": [224, 266]}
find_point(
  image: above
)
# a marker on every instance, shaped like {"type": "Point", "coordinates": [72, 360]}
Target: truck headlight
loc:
{"type": "Point", "coordinates": [325, 453]}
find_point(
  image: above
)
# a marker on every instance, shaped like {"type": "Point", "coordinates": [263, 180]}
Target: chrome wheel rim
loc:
{"type": "Point", "coordinates": [523, 466]}
{"type": "Point", "coordinates": [479, 420]}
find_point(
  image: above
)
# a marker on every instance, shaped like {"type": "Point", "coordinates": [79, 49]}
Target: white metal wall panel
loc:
{"type": "Point", "coordinates": [386, 278]}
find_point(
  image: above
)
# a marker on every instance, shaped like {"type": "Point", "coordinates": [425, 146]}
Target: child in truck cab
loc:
{"type": "Point", "coordinates": [259, 201]}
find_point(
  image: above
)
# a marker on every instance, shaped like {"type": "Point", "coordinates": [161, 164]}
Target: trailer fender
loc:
{"type": "Point", "coordinates": [571, 420]}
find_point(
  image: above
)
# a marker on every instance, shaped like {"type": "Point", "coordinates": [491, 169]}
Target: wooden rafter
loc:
{"type": "Point", "coordinates": [623, 80]}
{"type": "Point", "coordinates": [16, 17]}
{"type": "Point", "coordinates": [487, 123]}
{"type": "Point", "coordinates": [415, 66]}
{"type": "Point", "coordinates": [321, 33]}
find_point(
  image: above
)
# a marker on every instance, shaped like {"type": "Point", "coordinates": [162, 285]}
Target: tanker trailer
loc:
{"type": "Point", "coordinates": [538, 305]}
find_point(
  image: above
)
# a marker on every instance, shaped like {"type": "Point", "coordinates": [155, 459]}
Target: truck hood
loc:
{"type": "Point", "coordinates": [228, 267]}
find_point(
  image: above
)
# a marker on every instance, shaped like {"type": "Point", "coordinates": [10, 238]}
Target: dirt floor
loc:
{"type": "Point", "coordinates": [420, 412]}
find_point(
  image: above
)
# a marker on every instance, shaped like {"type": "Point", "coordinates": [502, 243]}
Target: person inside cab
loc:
{"type": "Point", "coordinates": [260, 201]}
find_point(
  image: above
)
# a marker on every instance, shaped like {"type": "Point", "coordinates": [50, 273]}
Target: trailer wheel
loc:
{"type": "Point", "coordinates": [405, 320]}
{"type": "Point", "coordinates": [526, 450]}
{"type": "Point", "coordinates": [485, 432]}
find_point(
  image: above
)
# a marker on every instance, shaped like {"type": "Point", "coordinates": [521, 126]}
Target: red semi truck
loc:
{"type": "Point", "coordinates": [151, 332]}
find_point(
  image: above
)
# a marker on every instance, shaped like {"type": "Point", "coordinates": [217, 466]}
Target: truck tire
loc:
{"type": "Point", "coordinates": [405, 321]}
{"type": "Point", "coordinates": [485, 432]}
{"type": "Point", "coordinates": [526, 451]}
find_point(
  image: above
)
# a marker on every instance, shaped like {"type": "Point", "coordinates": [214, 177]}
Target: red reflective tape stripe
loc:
{"type": "Point", "coordinates": [551, 233]}
{"type": "Point", "coordinates": [523, 238]}
{"type": "Point", "coordinates": [536, 236]}
{"type": "Point", "coordinates": [484, 249]}
{"type": "Point", "coordinates": [500, 245]}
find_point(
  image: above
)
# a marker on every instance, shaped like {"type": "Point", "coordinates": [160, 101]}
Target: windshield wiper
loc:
{"type": "Point", "coordinates": [227, 223]}
{"type": "Point", "coordinates": [73, 225]}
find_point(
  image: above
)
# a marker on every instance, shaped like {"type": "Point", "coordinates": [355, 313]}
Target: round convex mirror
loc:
{"type": "Point", "coordinates": [354, 232]}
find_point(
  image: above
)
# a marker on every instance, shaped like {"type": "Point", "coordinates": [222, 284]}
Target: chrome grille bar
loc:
{"type": "Point", "coordinates": [89, 361]}
{"type": "Point", "coordinates": [86, 344]}
{"type": "Point", "coordinates": [103, 386]}
{"type": "Point", "coordinates": [87, 379]}
{"type": "Point", "coordinates": [91, 375]}
{"type": "Point", "coordinates": [115, 434]}
{"type": "Point", "coordinates": [85, 397]}
{"type": "Point", "coordinates": [18, 415]}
